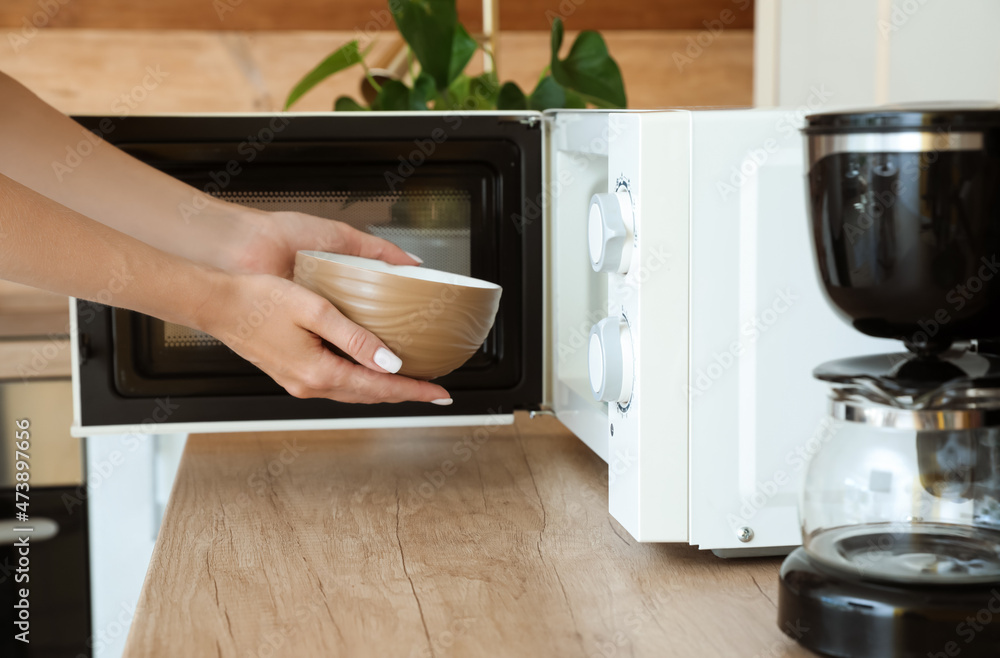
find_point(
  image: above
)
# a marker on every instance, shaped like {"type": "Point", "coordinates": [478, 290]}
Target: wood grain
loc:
{"type": "Point", "coordinates": [102, 72]}
{"type": "Point", "coordinates": [46, 358]}
{"type": "Point", "coordinates": [30, 312]}
{"type": "Point", "coordinates": [17, 298]}
{"type": "Point", "coordinates": [354, 14]}
{"type": "Point", "coordinates": [33, 325]}
{"type": "Point", "coordinates": [236, 72]}
{"type": "Point", "coordinates": [490, 541]}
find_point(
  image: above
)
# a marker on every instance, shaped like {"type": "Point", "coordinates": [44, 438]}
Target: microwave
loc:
{"type": "Point", "coordinates": [660, 295]}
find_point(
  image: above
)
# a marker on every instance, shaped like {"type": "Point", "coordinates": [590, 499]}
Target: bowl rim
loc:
{"type": "Point", "coordinates": [405, 271]}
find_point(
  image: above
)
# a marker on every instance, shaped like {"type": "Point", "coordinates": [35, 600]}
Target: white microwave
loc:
{"type": "Point", "coordinates": [660, 294]}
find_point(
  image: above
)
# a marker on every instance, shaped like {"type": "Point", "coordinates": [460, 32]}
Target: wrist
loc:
{"type": "Point", "coordinates": [211, 296]}
{"type": "Point", "coordinates": [225, 231]}
{"type": "Point", "coordinates": [260, 245]}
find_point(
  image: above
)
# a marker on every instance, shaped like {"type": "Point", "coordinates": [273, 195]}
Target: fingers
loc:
{"type": "Point", "coordinates": [335, 378]}
{"type": "Point", "coordinates": [376, 387]}
{"type": "Point", "coordinates": [373, 380]}
{"type": "Point", "coordinates": [368, 350]}
{"type": "Point", "coordinates": [359, 243]}
{"type": "Point", "coordinates": [368, 386]}
{"type": "Point", "coordinates": [289, 347]}
{"type": "Point", "coordinates": [365, 347]}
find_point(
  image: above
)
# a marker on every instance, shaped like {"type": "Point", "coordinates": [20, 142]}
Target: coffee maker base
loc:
{"type": "Point", "coordinates": [836, 615]}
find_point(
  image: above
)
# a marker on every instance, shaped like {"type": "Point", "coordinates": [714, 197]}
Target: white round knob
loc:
{"type": "Point", "coordinates": [609, 229]}
{"type": "Point", "coordinates": [610, 361]}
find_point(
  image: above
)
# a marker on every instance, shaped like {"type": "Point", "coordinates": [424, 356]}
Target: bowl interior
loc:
{"type": "Point", "coordinates": [406, 271]}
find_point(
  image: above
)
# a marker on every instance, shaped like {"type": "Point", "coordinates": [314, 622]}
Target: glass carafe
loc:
{"type": "Point", "coordinates": [907, 496]}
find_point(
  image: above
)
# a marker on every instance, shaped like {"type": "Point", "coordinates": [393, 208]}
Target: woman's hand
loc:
{"type": "Point", "coordinates": [113, 214]}
{"type": "Point", "coordinates": [270, 240]}
{"type": "Point", "coordinates": [280, 327]}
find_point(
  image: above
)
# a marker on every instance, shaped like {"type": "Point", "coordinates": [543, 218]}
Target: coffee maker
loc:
{"type": "Point", "coordinates": [900, 507]}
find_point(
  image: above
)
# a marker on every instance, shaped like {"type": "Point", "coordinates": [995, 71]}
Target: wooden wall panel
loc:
{"type": "Point", "coordinates": [353, 15]}
{"type": "Point", "coordinates": [244, 72]}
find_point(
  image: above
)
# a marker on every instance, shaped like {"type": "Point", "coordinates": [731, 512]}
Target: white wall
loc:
{"type": "Point", "coordinates": [871, 52]}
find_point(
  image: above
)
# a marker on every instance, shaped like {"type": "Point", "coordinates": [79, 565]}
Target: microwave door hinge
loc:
{"type": "Point", "coordinates": [83, 347]}
{"type": "Point", "coordinates": [543, 410]}
{"type": "Point", "coordinates": [529, 121]}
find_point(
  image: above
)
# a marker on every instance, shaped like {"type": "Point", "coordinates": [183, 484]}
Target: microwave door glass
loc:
{"type": "Point", "coordinates": [434, 224]}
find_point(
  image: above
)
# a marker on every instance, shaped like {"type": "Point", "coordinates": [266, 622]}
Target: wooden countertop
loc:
{"type": "Point", "coordinates": [490, 541]}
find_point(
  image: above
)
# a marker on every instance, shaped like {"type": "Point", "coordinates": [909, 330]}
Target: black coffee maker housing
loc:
{"type": "Point", "coordinates": [905, 212]}
{"type": "Point", "coordinates": [900, 510]}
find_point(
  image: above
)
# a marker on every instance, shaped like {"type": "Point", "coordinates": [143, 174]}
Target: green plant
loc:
{"type": "Point", "coordinates": [443, 48]}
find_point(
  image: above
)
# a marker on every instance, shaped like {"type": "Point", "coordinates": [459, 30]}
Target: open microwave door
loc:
{"type": "Point", "coordinates": [643, 158]}
{"type": "Point", "coordinates": [576, 168]}
{"type": "Point", "coordinates": [457, 189]}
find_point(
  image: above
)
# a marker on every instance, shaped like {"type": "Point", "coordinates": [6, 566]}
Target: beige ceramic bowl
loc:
{"type": "Point", "coordinates": [433, 320]}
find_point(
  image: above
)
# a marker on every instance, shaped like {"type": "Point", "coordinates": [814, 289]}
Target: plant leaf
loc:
{"type": "Point", "coordinates": [547, 94]}
{"type": "Point", "coordinates": [423, 91]}
{"type": "Point", "coordinates": [458, 92]}
{"type": "Point", "coordinates": [588, 69]}
{"type": "Point", "coordinates": [439, 42]}
{"type": "Point", "coordinates": [484, 89]}
{"type": "Point", "coordinates": [463, 47]}
{"type": "Point", "coordinates": [397, 97]}
{"type": "Point", "coordinates": [511, 98]}
{"type": "Point", "coordinates": [342, 58]}
{"type": "Point", "coordinates": [348, 104]}
{"type": "Point", "coordinates": [574, 100]}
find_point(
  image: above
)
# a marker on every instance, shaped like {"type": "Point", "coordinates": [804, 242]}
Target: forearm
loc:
{"type": "Point", "coordinates": [50, 153]}
{"type": "Point", "coordinates": [47, 245]}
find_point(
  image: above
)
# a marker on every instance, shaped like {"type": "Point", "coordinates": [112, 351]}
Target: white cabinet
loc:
{"type": "Point", "coordinates": [129, 478]}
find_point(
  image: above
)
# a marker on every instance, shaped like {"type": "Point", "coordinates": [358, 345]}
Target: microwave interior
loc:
{"type": "Point", "coordinates": [457, 203]}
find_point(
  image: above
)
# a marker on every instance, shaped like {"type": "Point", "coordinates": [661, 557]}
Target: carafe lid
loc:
{"type": "Point", "coordinates": [941, 116]}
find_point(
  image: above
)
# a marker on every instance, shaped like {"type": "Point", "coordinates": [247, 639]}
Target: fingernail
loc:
{"type": "Point", "coordinates": [420, 261]}
{"type": "Point", "coordinates": [444, 402]}
{"type": "Point", "coordinates": [388, 361]}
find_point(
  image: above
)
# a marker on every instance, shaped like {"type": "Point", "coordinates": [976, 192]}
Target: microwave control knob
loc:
{"type": "Point", "coordinates": [610, 231]}
{"type": "Point", "coordinates": [610, 360]}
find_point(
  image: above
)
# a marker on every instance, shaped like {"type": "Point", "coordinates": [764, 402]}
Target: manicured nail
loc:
{"type": "Point", "coordinates": [444, 402]}
{"type": "Point", "coordinates": [420, 261]}
{"type": "Point", "coordinates": [386, 360]}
